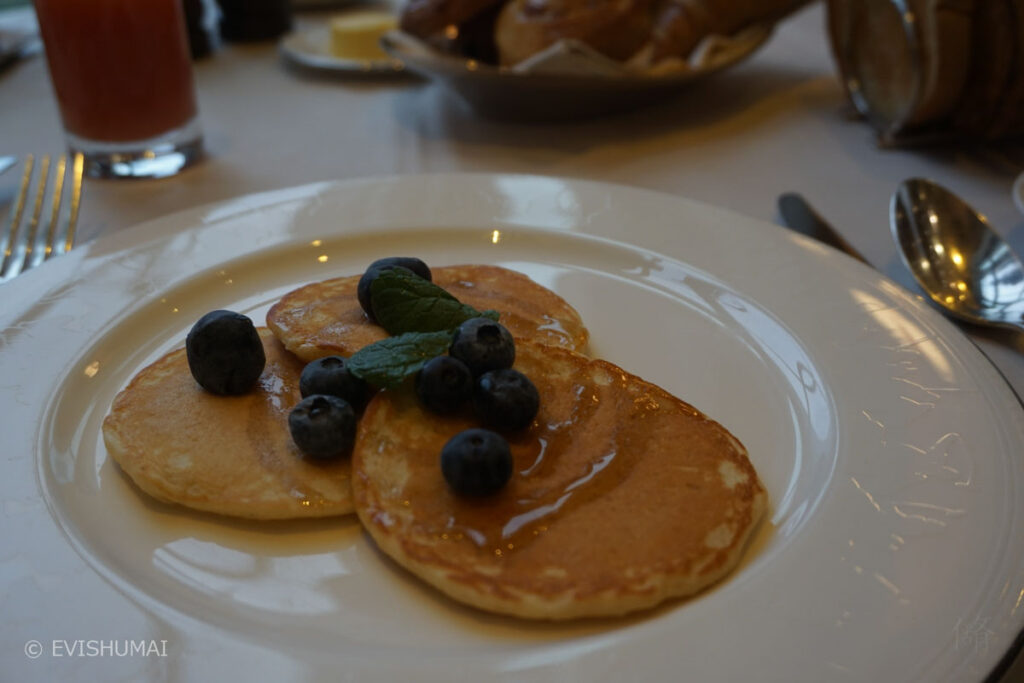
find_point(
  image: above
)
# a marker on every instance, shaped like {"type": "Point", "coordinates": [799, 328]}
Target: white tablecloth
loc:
{"type": "Point", "coordinates": [776, 123]}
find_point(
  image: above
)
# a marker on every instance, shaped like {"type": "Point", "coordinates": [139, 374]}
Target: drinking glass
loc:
{"type": "Point", "coordinates": [123, 80]}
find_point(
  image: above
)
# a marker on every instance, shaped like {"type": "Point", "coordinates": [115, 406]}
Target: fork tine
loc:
{"type": "Point", "coordinates": [41, 252]}
{"type": "Point", "coordinates": [9, 236]}
{"type": "Point", "coordinates": [27, 246]}
{"type": "Point", "coordinates": [78, 164]}
{"type": "Point", "coordinates": [23, 245]}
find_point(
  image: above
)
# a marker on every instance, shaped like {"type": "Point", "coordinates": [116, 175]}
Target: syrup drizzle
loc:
{"type": "Point", "coordinates": [278, 389]}
{"type": "Point", "coordinates": [581, 447]}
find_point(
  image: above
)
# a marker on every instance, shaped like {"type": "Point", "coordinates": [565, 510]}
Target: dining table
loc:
{"type": "Point", "coordinates": [777, 122]}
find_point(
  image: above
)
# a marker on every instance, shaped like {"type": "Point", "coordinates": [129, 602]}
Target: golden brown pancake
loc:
{"type": "Point", "coordinates": [621, 497]}
{"type": "Point", "coordinates": [232, 455]}
{"type": "Point", "coordinates": [324, 318]}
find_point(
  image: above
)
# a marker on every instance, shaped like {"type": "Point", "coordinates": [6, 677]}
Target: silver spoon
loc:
{"type": "Point", "coordinates": [955, 256]}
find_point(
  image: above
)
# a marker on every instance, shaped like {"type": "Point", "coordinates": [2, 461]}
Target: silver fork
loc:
{"type": "Point", "coordinates": [24, 243]}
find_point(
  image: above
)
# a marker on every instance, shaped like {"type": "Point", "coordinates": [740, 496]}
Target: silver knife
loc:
{"type": "Point", "coordinates": [7, 162]}
{"type": "Point", "coordinates": [798, 216]}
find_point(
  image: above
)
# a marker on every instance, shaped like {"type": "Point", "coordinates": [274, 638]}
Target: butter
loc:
{"type": "Point", "coordinates": [355, 35]}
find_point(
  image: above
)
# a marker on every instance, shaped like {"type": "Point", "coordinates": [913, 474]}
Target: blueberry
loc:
{"type": "Point", "coordinates": [332, 377]}
{"type": "Point", "coordinates": [323, 427]}
{"type": "Point", "coordinates": [410, 263]}
{"type": "Point", "coordinates": [505, 399]}
{"type": "Point", "coordinates": [444, 384]}
{"type": "Point", "coordinates": [225, 353]}
{"type": "Point", "coordinates": [476, 462]}
{"type": "Point", "coordinates": [483, 344]}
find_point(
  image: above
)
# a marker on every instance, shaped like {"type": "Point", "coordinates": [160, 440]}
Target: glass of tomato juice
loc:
{"type": "Point", "coordinates": [123, 80]}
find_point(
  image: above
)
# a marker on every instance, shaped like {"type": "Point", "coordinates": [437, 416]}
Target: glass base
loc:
{"type": "Point", "coordinates": [157, 157]}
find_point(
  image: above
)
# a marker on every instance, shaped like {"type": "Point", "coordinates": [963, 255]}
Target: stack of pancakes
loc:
{"type": "Point", "coordinates": [621, 496]}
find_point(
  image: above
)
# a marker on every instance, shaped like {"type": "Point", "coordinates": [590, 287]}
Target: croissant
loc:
{"type": "Point", "coordinates": [616, 28]}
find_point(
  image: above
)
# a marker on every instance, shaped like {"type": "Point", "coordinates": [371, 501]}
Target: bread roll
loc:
{"type": "Point", "coordinates": [681, 24]}
{"type": "Point", "coordinates": [615, 28]}
{"type": "Point", "coordinates": [432, 19]}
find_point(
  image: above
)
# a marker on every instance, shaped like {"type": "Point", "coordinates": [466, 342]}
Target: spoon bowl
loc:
{"type": "Point", "coordinates": [963, 265]}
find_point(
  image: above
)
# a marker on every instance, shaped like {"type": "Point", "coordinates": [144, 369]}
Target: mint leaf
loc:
{"type": "Point", "coordinates": [404, 302]}
{"type": "Point", "coordinates": [386, 363]}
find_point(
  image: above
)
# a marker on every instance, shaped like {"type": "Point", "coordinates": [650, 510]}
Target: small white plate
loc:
{"type": "Point", "coordinates": [311, 49]}
{"type": "Point", "coordinates": [890, 448]}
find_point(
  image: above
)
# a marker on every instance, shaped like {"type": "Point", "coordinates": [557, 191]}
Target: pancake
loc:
{"type": "Point", "coordinates": [622, 496]}
{"type": "Point", "coordinates": [231, 455]}
{"type": "Point", "coordinates": [325, 319]}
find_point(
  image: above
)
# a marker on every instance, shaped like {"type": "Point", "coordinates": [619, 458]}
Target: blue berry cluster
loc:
{"type": "Point", "coordinates": [478, 370]}
{"type": "Point", "coordinates": [323, 424]}
{"type": "Point", "coordinates": [225, 355]}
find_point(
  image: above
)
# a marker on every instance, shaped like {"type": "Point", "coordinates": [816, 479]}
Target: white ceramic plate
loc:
{"type": "Point", "coordinates": [311, 49]}
{"type": "Point", "coordinates": [889, 445]}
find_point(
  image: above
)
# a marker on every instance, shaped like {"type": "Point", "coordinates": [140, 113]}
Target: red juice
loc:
{"type": "Point", "coordinates": [120, 68]}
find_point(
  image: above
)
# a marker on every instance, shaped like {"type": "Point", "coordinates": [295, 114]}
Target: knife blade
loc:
{"type": "Point", "coordinates": [799, 216]}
